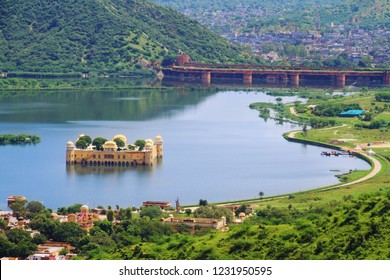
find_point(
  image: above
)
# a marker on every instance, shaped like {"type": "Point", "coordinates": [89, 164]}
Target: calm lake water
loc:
{"type": "Point", "coordinates": [215, 148]}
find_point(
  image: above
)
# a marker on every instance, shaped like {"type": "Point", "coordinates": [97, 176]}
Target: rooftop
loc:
{"type": "Point", "coordinates": [351, 113]}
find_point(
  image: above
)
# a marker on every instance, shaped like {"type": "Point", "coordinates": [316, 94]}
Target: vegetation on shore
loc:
{"type": "Point", "coordinates": [75, 83]}
{"type": "Point", "coordinates": [323, 107]}
{"type": "Point", "coordinates": [6, 139]}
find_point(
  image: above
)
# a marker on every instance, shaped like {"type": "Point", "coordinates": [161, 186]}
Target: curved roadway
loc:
{"type": "Point", "coordinates": [377, 166]}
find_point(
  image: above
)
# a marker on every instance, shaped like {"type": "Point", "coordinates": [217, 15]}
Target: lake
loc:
{"type": "Point", "coordinates": [215, 148]}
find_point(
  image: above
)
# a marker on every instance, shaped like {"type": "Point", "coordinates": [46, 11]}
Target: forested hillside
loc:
{"type": "Point", "coordinates": [104, 36]}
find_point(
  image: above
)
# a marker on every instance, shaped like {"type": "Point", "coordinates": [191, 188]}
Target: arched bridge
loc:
{"type": "Point", "coordinates": [207, 72]}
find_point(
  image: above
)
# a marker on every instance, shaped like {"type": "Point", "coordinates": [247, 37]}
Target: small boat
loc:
{"type": "Point", "coordinates": [333, 153]}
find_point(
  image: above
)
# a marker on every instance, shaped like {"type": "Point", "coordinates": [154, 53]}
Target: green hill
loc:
{"type": "Point", "coordinates": [102, 36]}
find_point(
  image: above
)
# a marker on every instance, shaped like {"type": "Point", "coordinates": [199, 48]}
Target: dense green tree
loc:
{"type": "Point", "coordinates": [16, 235]}
{"type": "Point", "coordinates": [98, 143]}
{"type": "Point", "coordinates": [35, 206]}
{"type": "Point", "coordinates": [140, 144]}
{"type": "Point", "coordinates": [110, 215]}
{"type": "Point", "coordinates": [124, 214]}
{"type": "Point", "coordinates": [153, 230]}
{"type": "Point", "coordinates": [244, 208]}
{"type": "Point", "coordinates": [203, 202]}
{"type": "Point", "coordinates": [382, 96]}
{"type": "Point", "coordinates": [74, 208]}
{"type": "Point", "coordinates": [365, 61]}
{"type": "Point", "coordinates": [39, 239]}
{"type": "Point", "coordinates": [152, 212]}
{"type": "Point", "coordinates": [131, 147]}
{"type": "Point", "coordinates": [20, 244]}
{"type": "Point", "coordinates": [44, 225]}
{"type": "Point", "coordinates": [377, 124]}
{"type": "Point", "coordinates": [368, 116]}
{"type": "Point", "coordinates": [168, 60]}
{"type": "Point", "coordinates": [119, 142]}
{"type": "Point", "coordinates": [183, 228]}
{"type": "Point", "coordinates": [101, 237]}
{"type": "Point", "coordinates": [68, 232]}
{"type": "Point", "coordinates": [6, 247]}
{"type": "Point", "coordinates": [261, 194]}
{"type": "Point", "coordinates": [87, 139]}
{"type": "Point", "coordinates": [105, 225]}
{"type": "Point", "coordinates": [19, 207]}
{"type": "Point", "coordinates": [332, 110]}
{"type": "Point", "coordinates": [81, 144]}
{"type": "Point", "coordinates": [3, 224]}
{"type": "Point", "coordinates": [304, 129]}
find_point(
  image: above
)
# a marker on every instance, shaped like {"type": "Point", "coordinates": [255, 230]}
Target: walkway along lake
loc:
{"type": "Point", "coordinates": [215, 148]}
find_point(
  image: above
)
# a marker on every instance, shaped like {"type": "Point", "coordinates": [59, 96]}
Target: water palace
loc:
{"type": "Point", "coordinates": [111, 155]}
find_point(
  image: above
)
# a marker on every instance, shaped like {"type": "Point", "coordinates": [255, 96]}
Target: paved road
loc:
{"type": "Point", "coordinates": [377, 168]}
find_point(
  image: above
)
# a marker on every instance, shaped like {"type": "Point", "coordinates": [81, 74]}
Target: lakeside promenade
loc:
{"type": "Point", "coordinates": [375, 164]}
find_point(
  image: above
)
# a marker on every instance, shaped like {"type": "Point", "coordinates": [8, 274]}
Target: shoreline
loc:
{"type": "Point", "coordinates": [376, 167]}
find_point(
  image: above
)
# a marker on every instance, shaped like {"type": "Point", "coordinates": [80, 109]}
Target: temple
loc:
{"type": "Point", "coordinates": [112, 155]}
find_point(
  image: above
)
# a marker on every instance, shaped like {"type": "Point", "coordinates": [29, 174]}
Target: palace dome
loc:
{"type": "Point", "coordinates": [158, 138]}
{"type": "Point", "coordinates": [149, 141]}
{"type": "Point", "coordinates": [122, 137]}
{"type": "Point", "coordinates": [70, 144]}
{"type": "Point", "coordinates": [149, 146]}
{"type": "Point", "coordinates": [110, 145]}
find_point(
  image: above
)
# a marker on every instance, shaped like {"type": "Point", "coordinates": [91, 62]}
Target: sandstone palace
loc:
{"type": "Point", "coordinates": [109, 154]}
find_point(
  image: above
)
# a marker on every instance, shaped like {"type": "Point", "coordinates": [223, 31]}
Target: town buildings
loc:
{"type": "Point", "coordinates": [320, 41]}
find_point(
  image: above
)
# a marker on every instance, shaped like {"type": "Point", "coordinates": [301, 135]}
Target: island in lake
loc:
{"type": "Point", "coordinates": [114, 152]}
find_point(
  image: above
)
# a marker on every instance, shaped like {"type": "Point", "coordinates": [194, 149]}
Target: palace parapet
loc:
{"type": "Point", "coordinates": [194, 223]}
{"type": "Point", "coordinates": [111, 155]}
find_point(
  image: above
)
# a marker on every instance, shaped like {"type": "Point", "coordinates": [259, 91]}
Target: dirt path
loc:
{"type": "Point", "coordinates": [293, 112]}
{"type": "Point", "coordinates": [377, 168]}
{"type": "Point", "coordinates": [293, 133]}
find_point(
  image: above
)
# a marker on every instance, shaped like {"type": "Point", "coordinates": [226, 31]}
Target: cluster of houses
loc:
{"type": "Point", "coordinates": [337, 38]}
{"type": "Point", "coordinates": [357, 42]}
{"type": "Point", "coordinates": [52, 250]}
